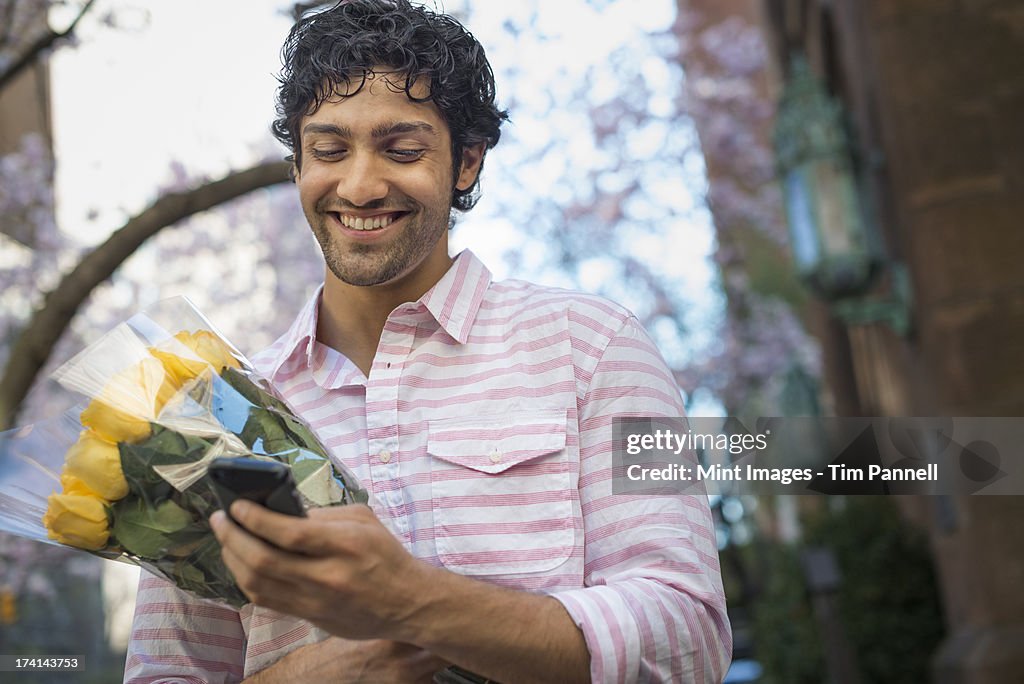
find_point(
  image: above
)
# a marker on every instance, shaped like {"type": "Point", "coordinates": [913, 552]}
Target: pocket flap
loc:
{"type": "Point", "coordinates": [493, 444]}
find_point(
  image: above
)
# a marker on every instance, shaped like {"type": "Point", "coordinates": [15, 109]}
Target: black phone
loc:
{"type": "Point", "coordinates": [268, 483]}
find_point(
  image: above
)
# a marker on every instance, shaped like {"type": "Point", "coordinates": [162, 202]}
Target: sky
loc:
{"type": "Point", "coordinates": [193, 82]}
{"type": "Point", "coordinates": [186, 81]}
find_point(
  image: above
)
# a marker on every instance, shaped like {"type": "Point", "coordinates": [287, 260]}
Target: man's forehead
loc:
{"type": "Point", "coordinates": [348, 108]}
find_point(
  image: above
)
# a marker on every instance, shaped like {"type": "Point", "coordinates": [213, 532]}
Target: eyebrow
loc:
{"type": "Point", "coordinates": [381, 130]}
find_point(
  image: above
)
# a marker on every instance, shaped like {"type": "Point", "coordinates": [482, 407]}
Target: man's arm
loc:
{"type": "Point", "coordinates": [502, 634]}
{"type": "Point", "coordinates": [653, 608]}
{"type": "Point", "coordinates": [344, 571]}
{"type": "Point", "coordinates": [340, 661]}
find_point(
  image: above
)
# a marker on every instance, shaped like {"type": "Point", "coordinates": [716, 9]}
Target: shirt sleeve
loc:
{"type": "Point", "coordinates": [179, 639]}
{"type": "Point", "coordinates": [653, 607]}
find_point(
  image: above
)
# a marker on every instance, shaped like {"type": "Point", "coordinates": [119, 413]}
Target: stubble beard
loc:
{"type": "Point", "coordinates": [365, 265]}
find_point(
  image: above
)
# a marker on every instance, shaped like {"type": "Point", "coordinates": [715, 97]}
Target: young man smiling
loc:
{"type": "Point", "coordinates": [375, 182]}
{"type": "Point", "coordinates": [477, 413]}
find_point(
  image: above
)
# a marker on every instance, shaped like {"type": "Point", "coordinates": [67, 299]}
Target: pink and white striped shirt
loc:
{"type": "Point", "coordinates": [484, 433]}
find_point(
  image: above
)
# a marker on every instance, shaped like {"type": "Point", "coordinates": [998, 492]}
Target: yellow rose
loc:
{"type": "Point", "coordinates": [72, 485]}
{"type": "Point", "coordinates": [206, 346]}
{"type": "Point", "coordinates": [129, 402]}
{"type": "Point", "coordinates": [77, 520]}
{"type": "Point", "coordinates": [96, 463]}
{"type": "Point", "coordinates": [179, 368]}
{"type": "Point", "coordinates": [209, 347]}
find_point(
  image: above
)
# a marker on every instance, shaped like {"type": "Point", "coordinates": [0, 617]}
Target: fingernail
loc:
{"type": "Point", "coordinates": [238, 509]}
{"type": "Point", "coordinates": [216, 520]}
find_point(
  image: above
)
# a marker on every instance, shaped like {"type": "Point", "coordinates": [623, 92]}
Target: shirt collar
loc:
{"type": "Point", "coordinates": [453, 301]}
{"type": "Point", "coordinates": [301, 336]}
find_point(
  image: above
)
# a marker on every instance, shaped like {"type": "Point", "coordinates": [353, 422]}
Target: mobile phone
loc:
{"type": "Point", "coordinates": [456, 675]}
{"type": "Point", "coordinates": [268, 483]}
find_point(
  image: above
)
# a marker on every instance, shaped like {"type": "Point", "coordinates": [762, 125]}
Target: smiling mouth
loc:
{"type": "Point", "coordinates": [375, 222]}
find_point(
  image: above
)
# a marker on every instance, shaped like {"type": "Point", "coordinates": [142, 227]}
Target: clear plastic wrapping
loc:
{"type": "Point", "coordinates": [125, 475]}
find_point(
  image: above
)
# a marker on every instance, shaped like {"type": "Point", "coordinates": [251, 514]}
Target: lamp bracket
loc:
{"type": "Point", "coordinates": [892, 309]}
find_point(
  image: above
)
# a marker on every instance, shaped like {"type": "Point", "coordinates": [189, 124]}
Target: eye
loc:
{"type": "Point", "coordinates": [405, 155]}
{"type": "Point", "coordinates": [328, 154]}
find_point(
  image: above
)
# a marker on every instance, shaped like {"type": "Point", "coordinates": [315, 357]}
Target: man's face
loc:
{"type": "Point", "coordinates": [375, 183]}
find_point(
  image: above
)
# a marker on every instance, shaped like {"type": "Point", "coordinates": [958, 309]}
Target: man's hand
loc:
{"type": "Point", "coordinates": [341, 661]}
{"type": "Point", "coordinates": [340, 568]}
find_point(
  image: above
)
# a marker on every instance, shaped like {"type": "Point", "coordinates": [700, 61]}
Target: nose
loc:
{"type": "Point", "coordinates": [363, 180]}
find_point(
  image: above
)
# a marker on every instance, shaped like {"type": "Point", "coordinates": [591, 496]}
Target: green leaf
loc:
{"type": "Point", "coordinates": [306, 463]}
{"type": "Point", "coordinates": [303, 435]}
{"type": "Point", "coordinates": [137, 459]}
{"type": "Point", "coordinates": [281, 449]}
{"type": "Point", "coordinates": [199, 499]}
{"type": "Point", "coordinates": [251, 391]}
{"type": "Point", "coordinates": [149, 531]}
{"type": "Point", "coordinates": [190, 538]}
{"type": "Point", "coordinates": [163, 447]}
{"type": "Point", "coordinates": [264, 426]}
{"type": "Point", "coordinates": [217, 581]}
{"type": "Point", "coordinates": [202, 573]}
{"type": "Point", "coordinates": [189, 574]}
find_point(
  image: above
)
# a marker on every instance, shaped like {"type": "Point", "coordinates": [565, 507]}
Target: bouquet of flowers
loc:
{"type": "Point", "coordinates": [126, 476]}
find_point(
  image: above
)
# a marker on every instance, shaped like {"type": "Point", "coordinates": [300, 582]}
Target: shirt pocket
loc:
{"type": "Point", "coordinates": [501, 490]}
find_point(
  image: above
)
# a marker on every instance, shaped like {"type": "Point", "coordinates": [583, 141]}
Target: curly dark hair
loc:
{"type": "Point", "coordinates": [343, 44]}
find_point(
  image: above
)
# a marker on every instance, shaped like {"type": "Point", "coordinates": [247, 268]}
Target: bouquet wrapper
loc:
{"type": "Point", "coordinates": [125, 475]}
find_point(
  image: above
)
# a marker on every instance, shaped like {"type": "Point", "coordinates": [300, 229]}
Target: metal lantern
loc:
{"type": "Point", "coordinates": [833, 249]}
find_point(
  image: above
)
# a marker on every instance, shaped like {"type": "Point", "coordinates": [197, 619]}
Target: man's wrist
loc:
{"type": "Point", "coordinates": [287, 669]}
{"type": "Point", "coordinates": [429, 605]}
{"type": "Point", "coordinates": [500, 633]}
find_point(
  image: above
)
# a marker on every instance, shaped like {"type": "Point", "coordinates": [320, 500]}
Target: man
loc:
{"type": "Point", "coordinates": [478, 414]}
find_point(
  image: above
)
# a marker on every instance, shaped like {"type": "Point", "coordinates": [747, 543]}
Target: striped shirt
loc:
{"type": "Point", "coordinates": [484, 434]}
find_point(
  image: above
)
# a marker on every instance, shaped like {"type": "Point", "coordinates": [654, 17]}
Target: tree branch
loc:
{"type": "Point", "coordinates": [42, 43]}
{"type": "Point", "coordinates": [37, 341]}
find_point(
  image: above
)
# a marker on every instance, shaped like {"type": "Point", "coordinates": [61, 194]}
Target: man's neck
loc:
{"type": "Point", "coordinates": [351, 318]}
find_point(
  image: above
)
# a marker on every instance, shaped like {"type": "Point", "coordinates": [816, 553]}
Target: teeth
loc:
{"type": "Point", "coordinates": [372, 223]}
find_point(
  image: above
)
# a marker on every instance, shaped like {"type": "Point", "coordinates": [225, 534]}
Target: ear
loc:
{"type": "Point", "coordinates": [472, 158]}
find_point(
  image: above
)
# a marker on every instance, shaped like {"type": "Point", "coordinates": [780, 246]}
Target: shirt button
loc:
{"type": "Point", "coordinates": [495, 456]}
{"type": "Point", "coordinates": [384, 456]}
